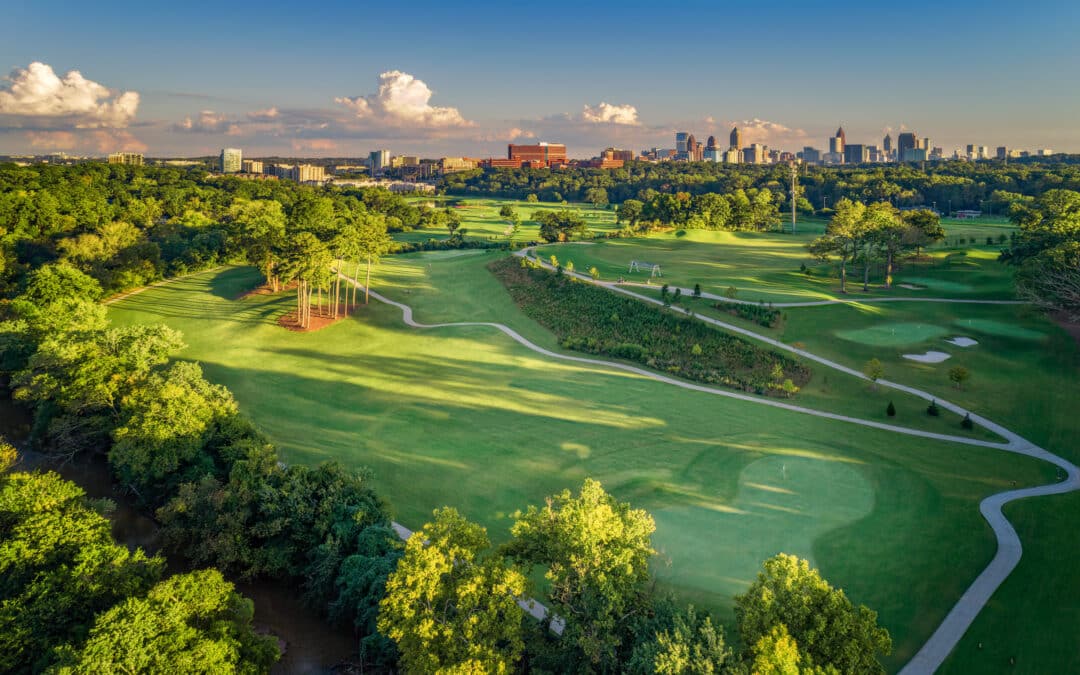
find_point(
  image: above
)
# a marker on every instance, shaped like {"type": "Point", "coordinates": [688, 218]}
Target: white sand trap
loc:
{"type": "Point", "coordinates": [963, 341]}
{"type": "Point", "coordinates": [928, 357]}
{"type": "Point", "coordinates": [912, 287]}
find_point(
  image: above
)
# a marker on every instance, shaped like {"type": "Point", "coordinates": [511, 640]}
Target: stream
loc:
{"type": "Point", "coordinates": [311, 646]}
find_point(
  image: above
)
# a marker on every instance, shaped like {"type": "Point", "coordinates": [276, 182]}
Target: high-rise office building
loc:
{"type": "Point", "coordinates": [854, 153]}
{"type": "Point", "coordinates": [810, 155]}
{"type": "Point", "coordinates": [736, 139]}
{"type": "Point", "coordinates": [378, 161]}
{"type": "Point", "coordinates": [886, 145]}
{"type": "Point", "coordinates": [836, 146]}
{"type": "Point", "coordinates": [710, 143]}
{"type": "Point", "coordinates": [680, 142]}
{"type": "Point", "coordinates": [691, 148]}
{"type": "Point", "coordinates": [231, 160]}
{"type": "Point", "coordinates": [906, 142]}
{"type": "Point", "coordinates": [843, 139]}
{"type": "Point", "coordinates": [251, 166]}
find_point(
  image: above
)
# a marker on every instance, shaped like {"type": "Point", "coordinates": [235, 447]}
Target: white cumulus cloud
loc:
{"type": "Point", "coordinates": [37, 93]}
{"type": "Point", "coordinates": [606, 113]}
{"type": "Point", "coordinates": [402, 100]}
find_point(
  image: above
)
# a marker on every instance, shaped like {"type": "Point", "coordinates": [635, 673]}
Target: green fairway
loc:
{"type": "Point", "coordinates": [481, 220]}
{"type": "Point", "coordinates": [465, 416]}
{"type": "Point", "coordinates": [1023, 375]}
{"type": "Point", "coordinates": [767, 267]}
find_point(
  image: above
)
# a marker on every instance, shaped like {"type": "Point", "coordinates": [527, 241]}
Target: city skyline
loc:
{"type": "Point", "coordinates": [337, 81]}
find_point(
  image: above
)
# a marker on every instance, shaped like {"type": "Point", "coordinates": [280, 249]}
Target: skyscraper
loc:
{"type": "Point", "coordinates": [231, 159]}
{"type": "Point", "coordinates": [736, 139]}
{"type": "Point", "coordinates": [691, 148]}
{"type": "Point", "coordinates": [887, 145]}
{"type": "Point", "coordinates": [680, 141]}
{"type": "Point", "coordinates": [905, 143]}
{"type": "Point", "coordinates": [710, 143]}
{"type": "Point", "coordinates": [378, 161]}
{"type": "Point", "coordinates": [841, 141]}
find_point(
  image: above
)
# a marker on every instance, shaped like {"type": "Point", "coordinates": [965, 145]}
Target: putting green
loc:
{"type": "Point", "coordinates": [1000, 329]}
{"type": "Point", "coordinates": [893, 334]}
{"type": "Point", "coordinates": [784, 504]}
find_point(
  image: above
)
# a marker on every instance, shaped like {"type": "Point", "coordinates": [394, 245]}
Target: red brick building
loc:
{"type": "Point", "coordinates": [548, 153]}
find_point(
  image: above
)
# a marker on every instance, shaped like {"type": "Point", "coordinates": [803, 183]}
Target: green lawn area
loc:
{"type": "Point", "coordinates": [465, 416]}
{"type": "Point", "coordinates": [768, 267]}
{"type": "Point", "coordinates": [1023, 375]}
{"type": "Point", "coordinates": [481, 218]}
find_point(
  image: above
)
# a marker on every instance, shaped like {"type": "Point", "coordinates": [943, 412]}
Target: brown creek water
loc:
{"type": "Point", "coordinates": [311, 646]}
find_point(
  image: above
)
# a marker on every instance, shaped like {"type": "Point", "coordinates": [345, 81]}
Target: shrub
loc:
{"type": "Point", "coordinates": [731, 292]}
{"type": "Point", "coordinates": [759, 314]}
{"type": "Point", "coordinates": [696, 349]}
{"type": "Point", "coordinates": [966, 423]}
{"type": "Point", "coordinates": [958, 375]}
{"type": "Point", "coordinates": [697, 290]}
{"type": "Point", "coordinates": [678, 296]}
{"type": "Point", "coordinates": [932, 410]}
{"type": "Point", "coordinates": [891, 410]}
{"type": "Point", "coordinates": [594, 273]}
{"type": "Point", "coordinates": [874, 370]}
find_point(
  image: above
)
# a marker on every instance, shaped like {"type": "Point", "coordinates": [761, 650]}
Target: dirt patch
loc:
{"type": "Point", "coordinates": [265, 289]}
{"type": "Point", "coordinates": [318, 319]}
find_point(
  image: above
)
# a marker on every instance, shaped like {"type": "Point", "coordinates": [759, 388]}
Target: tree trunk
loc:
{"type": "Point", "coordinates": [337, 287]}
{"type": "Point", "coordinates": [843, 275]}
{"type": "Point", "coordinates": [356, 280]}
{"type": "Point", "coordinates": [866, 270]}
{"type": "Point", "coordinates": [888, 269]}
{"type": "Point", "coordinates": [367, 282]}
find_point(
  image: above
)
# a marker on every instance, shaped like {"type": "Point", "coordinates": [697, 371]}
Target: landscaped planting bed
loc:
{"type": "Point", "coordinates": [590, 319]}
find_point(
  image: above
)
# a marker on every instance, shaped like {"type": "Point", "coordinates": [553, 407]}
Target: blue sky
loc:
{"type": "Point", "coordinates": [304, 78]}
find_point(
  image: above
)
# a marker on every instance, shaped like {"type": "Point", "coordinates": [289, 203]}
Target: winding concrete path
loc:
{"type": "Point", "coordinates": [930, 657]}
{"type": "Point", "coordinates": [688, 292]}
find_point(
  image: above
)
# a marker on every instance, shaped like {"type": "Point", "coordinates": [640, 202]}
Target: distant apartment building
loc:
{"type": "Point", "coordinates": [404, 160]}
{"type": "Point", "coordinates": [732, 156]}
{"type": "Point", "coordinates": [132, 158]}
{"type": "Point", "coordinates": [231, 160]}
{"type": "Point", "coordinates": [251, 166]}
{"type": "Point", "coordinates": [454, 164]}
{"type": "Point", "coordinates": [378, 161]}
{"type": "Point", "coordinates": [546, 153]}
{"type": "Point", "coordinates": [301, 173]}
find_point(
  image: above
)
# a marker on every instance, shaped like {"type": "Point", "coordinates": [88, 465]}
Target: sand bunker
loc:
{"type": "Point", "coordinates": [962, 341]}
{"type": "Point", "coordinates": [928, 357]}
{"type": "Point", "coordinates": [912, 287]}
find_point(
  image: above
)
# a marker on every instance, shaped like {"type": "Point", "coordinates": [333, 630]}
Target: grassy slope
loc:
{"type": "Point", "coordinates": [481, 218]}
{"type": "Point", "coordinates": [466, 417]}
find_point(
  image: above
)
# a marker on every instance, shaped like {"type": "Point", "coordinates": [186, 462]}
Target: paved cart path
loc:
{"type": "Point", "coordinates": [1009, 550]}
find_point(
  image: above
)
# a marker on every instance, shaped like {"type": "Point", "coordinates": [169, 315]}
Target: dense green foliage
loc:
{"type": "Point", "coordinates": [952, 185]}
{"type": "Point", "coordinates": [74, 601]}
{"type": "Point", "coordinates": [451, 607]}
{"type": "Point", "coordinates": [593, 320]}
{"type": "Point", "coordinates": [1047, 252]}
{"type": "Point", "coordinates": [826, 627]}
{"type": "Point", "coordinates": [126, 226]}
{"type": "Point", "coordinates": [760, 314]}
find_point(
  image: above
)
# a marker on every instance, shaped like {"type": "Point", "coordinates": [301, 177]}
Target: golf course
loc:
{"type": "Point", "coordinates": [490, 420]}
